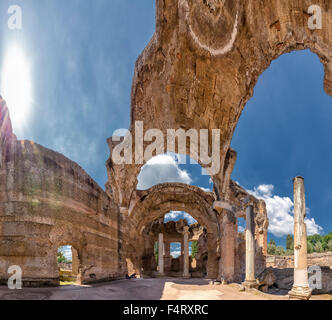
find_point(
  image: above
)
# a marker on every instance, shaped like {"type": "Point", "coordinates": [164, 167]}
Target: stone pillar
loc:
{"type": "Point", "coordinates": [161, 254]}
{"type": "Point", "coordinates": [167, 248]}
{"type": "Point", "coordinates": [250, 281]}
{"type": "Point", "coordinates": [75, 262]}
{"type": "Point", "coordinates": [212, 263]}
{"type": "Point", "coordinates": [228, 244]}
{"type": "Point", "coordinates": [186, 252]}
{"type": "Point", "coordinates": [300, 288]}
{"type": "Point", "coordinates": [167, 257]}
{"type": "Point", "coordinates": [261, 227]}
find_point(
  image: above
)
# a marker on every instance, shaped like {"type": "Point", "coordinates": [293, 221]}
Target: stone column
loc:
{"type": "Point", "coordinates": [186, 252]}
{"type": "Point", "coordinates": [167, 256]}
{"type": "Point", "coordinates": [300, 288]}
{"type": "Point", "coordinates": [261, 226]}
{"type": "Point", "coordinates": [161, 254]}
{"type": "Point", "coordinates": [227, 259]}
{"type": "Point", "coordinates": [167, 248]}
{"type": "Point", "coordinates": [212, 262]}
{"type": "Point", "coordinates": [250, 281]}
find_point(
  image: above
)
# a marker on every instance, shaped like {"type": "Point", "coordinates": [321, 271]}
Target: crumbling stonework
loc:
{"type": "Point", "coordinates": [47, 201]}
{"type": "Point", "coordinates": [314, 259]}
{"type": "Point", "coordinates": [283, 279]}
{"type": "Point", "coordinates": [198, 72]}
{"type": "Point", "coordinates": [202, 64]}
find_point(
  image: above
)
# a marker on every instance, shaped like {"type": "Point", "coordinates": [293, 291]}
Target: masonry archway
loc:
{"type": "Point", "coordinates": [154, 203]}
{"type": "Point", "coordinates": [181, 81]}
{"type": "Point", "coordinates": [68, 262]}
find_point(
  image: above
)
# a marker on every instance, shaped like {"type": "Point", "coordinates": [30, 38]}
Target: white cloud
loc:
{"type": "Point", "coordinates": [176, 253]}
{"type": "Point", "coordinates": [178, 215]}
{"type": "Point", "coordinates": [280, 212]}
{"type": "Point", "coordinates": [206, 189]}
{"type": "Point", "coordinates": [161, 169]}
{"type": "Point", "coordinates": [240, 229]}
{"type": "Point", "coordinates": [176, 250]}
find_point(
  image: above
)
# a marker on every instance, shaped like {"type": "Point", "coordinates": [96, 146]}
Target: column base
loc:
{"type": "Point", "coordinates": [300, 293]}
{"type": "Point", "coordinates": [186, 276]}
{"type": "Point", "coordinates": [250, 284]}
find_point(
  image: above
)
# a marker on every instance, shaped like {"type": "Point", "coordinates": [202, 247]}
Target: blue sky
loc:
{"type": "Point", "coordinates": [81, 56]}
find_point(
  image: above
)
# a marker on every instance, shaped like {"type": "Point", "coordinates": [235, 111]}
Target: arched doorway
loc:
{"type": "Point", "coordinates": [152, 205]}
{"type": "Point", "coordinates": [175, 246]}
{"type": "Point", "coordinates": [68, 265]}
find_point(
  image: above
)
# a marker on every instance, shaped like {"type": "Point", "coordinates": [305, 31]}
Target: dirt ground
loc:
{"type": "Point", "coordinates": [145, 289]}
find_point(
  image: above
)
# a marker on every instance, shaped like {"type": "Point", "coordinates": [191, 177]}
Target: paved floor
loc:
{"type": "Point", "coordinates": [142, 289]}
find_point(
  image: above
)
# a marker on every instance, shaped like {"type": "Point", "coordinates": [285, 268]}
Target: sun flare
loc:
{"type": "Point", "coordinates": [16, 85]}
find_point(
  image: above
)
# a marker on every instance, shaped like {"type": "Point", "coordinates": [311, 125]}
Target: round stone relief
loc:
{"type": "Point", "coordinates": [212, 24]}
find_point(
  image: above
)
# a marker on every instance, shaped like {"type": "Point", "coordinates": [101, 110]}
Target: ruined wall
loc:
{"type": "Point", "coordinates": [314, 259]}
{"type": "Point", "coordinates": [47, 201]}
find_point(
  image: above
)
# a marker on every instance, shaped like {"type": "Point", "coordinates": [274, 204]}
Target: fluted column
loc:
{"type": "Point", "coordinates": [250, 281]}
{"type": "Point", "coordinates": [300, 288]}
{"type": "Point", "coordinates": [186, 252]}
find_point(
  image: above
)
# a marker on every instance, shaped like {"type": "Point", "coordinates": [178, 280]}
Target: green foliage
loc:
{"type": "Point", "coordinates": [289, 252]}
{"type": "Point", "coordinates": [318, 247]}
{"type": "Point", "coordinates": [61, 258]}
{"type": "Point", "coordinates": [319, 243]}
{"type": "Point", "coordinates": [329, 245]}
{"type": "Point", "coordinates": [156, 249]}
{"type": "Point", "coordinates": [289, 242]}
{"type": "Point", "coordinates": [280, 251]}
{"type": "Point", "coordinates": [310, 247]}
{"type": "Point", "coordinates": [315, 243]}
{"type": "Point", "coordinates": [272, 242]}
{"type": "Point", "coordinates": [271, 248]}
{"type": "Point", "coordinates": [194, 249]}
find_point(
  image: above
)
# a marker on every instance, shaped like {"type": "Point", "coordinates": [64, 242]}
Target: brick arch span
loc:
{"type": "Point", "coordinates": [152, 204]}
{"type": "Point", "coordinates": [155, 202]}
{"type": "Point", "coordinates": [202, 64]}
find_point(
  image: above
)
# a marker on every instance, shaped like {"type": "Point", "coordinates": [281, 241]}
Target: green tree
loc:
{"type": "Point", "coordinates": [310, 247]}
{"type": "Point", "coordinates": [156, 249]}
{"type": "Point", "coordinates": [271, 248]}
{"type": "Point", "coordinates": [289, 242]}
{"type": "Point", "coordinates": [61, 257]}
{"type": "Point", "coordinates": [289, 252]}
{"type": "Point", "coordinates": [272, 242]}
{"type": "Point", "coordinates": [280, 251]}
{"type": "Point", "coordinates": [318, 247]}
{"type": "Point", "coordinates": [194, 249]}
{"type": "Point", "coordinates": [329, 245]}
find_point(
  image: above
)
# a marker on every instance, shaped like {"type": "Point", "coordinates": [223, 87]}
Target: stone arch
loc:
{"type": "Point", "coordinates": [63, 235]}
{"type": "Point", "coordinates": [155, 202]}
{"type": "Point", "coordinates": [180, 83]}
{"type": "Point", "coordinates": [123, 178]}
{"type": "Point", "coordinates": [75, 274]}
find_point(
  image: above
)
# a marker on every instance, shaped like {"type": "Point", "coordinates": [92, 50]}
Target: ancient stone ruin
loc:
{"type": "Point", "coordinates": [197, 72]}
